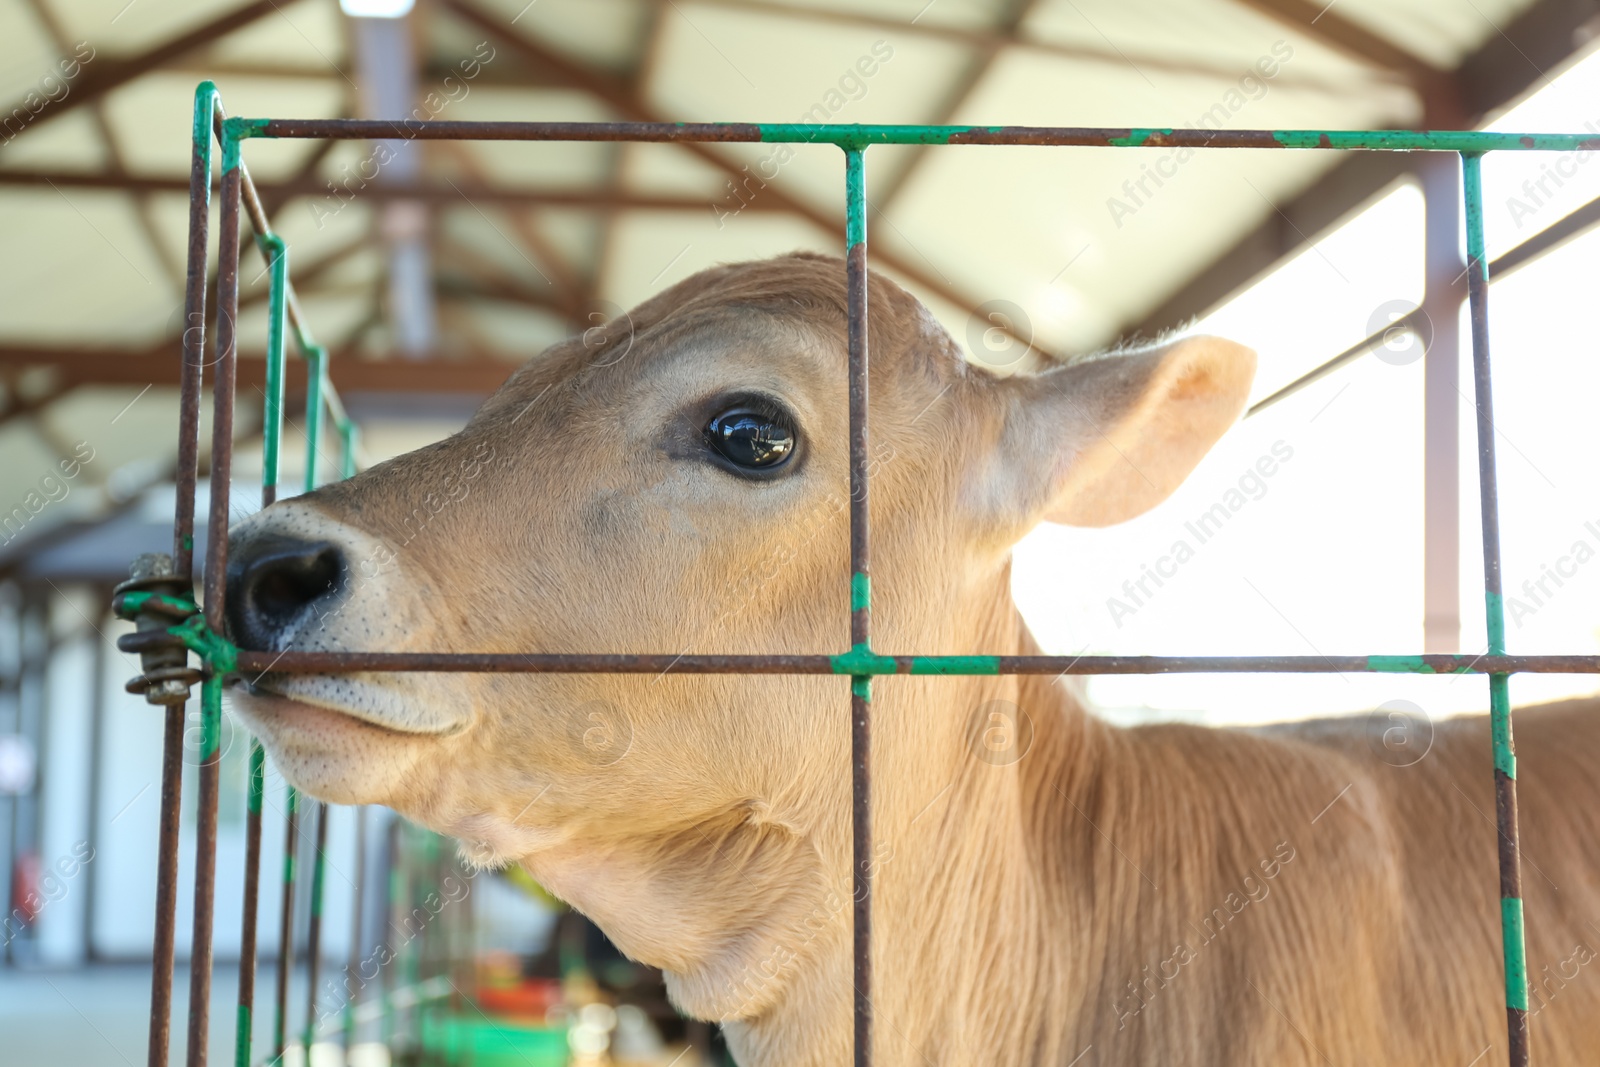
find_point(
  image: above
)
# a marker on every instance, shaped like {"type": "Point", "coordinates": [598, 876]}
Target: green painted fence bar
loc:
{"type": "Point", "coordinates": [1513, 945]}
{"type": "Point", "coordinates": [855, 243]}
{"type": "Point", "coordinates": [319, 866]}
{"type": "Point", "coordinates": [277, 323]}
{"type": "Point", "coordinates": [279, 299]}
{"type": "Point", "coordinates": [860, 136]}
{"type": "Point", "coordinates": [255, 794]}
{"type": "Point", "coordinates": [280, 1018]}
{"type": "Point", "coordinates": [349, 437]}
{"type": "Point", "coordinates": [316, 375]}
{"type": "Point", "coordinates": [316, 380]}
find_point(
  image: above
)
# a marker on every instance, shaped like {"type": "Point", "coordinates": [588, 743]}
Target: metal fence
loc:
{"type": "Point", "coordinates": [171, 625]}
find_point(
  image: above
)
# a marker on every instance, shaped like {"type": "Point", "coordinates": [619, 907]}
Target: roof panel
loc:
{"type": "Point", "coordinates": [720, 66]}
{"type": "Point", "coordinates": [1443, 32]}
{"type": "Point", "coordinates": [70, 142]}
{"type": "Point", "coordinates": [654, 250]}
{"type": "Point", "coordinates": [669, 169]}
{"type": "Point", "coordinates": [121, 28]}
{"type": "Point", "coordinates": [825, 73]}
{"type": "Point", "coordinates": [77, 267]}
{"type": "Point", "coordinates": [946, 14]}
{"type": "Point", "coordinates": [1110, 214]}
{"type": "Point", "coordinates": [31, 63]}
{"type": "Point", "coordinates": [1152, 38]}
{"type": "Point", "coordinates": [605, 32]}
{"type": "Point", "coordinates": [314, 36]}
{"type": "Point", "coordinates": [525, 163]}
{"type": "Point", "coordinates": [516, 329]}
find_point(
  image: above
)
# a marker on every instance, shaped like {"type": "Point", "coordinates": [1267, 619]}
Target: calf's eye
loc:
{"type": "Point", "coordinates": [751, 439]}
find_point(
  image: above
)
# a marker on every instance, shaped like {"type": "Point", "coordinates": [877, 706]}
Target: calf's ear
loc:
{"type": "Point", "coordinates": [1098, 442]}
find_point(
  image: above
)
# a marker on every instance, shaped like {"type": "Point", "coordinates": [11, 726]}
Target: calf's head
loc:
{"type": "Point", "coordinates": [677, 482]}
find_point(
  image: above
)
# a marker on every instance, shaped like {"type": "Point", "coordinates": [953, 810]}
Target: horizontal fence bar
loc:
{"type": "Point", "coordinates": [860, 136]}
{"type": "Point", "coordinates": [259, 663]}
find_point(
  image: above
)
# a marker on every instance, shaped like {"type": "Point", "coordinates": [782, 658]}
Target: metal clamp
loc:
{"type": "Point", "coordinates": [158, 601]}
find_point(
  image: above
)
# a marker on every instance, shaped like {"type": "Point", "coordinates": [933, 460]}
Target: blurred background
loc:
{"type": "Point", "coordinates": [1342, 519]}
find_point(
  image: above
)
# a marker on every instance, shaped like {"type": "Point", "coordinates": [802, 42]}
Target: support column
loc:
{"type": "Point", "coordinates": [1444, 290]}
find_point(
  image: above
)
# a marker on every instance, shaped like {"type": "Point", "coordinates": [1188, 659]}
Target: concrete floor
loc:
{"type": "Point", "coordinates": [99, 1016]}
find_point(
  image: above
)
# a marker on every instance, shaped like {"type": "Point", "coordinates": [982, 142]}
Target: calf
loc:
{"type": "Point", "coordinates": [1084, 894]}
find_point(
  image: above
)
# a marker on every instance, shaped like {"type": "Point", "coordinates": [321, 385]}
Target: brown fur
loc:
{"type": "Point", "coordinates": [1160, 895]}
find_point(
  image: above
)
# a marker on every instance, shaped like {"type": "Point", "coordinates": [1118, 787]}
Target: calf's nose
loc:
{"type": "Point", "coordinates": [274, 582]}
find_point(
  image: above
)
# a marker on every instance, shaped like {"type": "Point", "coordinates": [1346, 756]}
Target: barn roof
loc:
{"type": "Point", "coordinates": [521, 243]}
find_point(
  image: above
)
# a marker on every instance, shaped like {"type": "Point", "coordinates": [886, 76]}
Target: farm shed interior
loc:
{"type": "Point", "coordinates": [1088, 249]}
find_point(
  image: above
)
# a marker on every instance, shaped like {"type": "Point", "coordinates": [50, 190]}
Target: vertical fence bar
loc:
{"type": "Point", "coordinates": [357, 924]}
{"type": "Point", "coordinates": [316, 373]}
{"type": "Point", "coordinates": [205, 862]}
{"type": "Point", "coordinates": [277, 329]}
{"type": "Point", "coordinates": [271, 438]}
{"type": "Point", "coordinates": [291, 842]}
{"type": "Point", "coordinates": [291, 798]}
{"type": "Point", "coordinates": [347, 469]}
{"type": "Point", "coordinates": [1505, 757]}
{"type": "Point", "coordinates": [392, 881]}
{"type": "Point", "coordinates": [314, 933]}
{"type": "Point", "coordinates": [860, 599]}
{"type": "Point", "coordinates": [189, 380]}
{"type": "Point", "coordinates": [245, 1022]}
{"type": "Point", "coordinates": [349, 436]}
{"type": "Point", "coordinates": [97, 762]}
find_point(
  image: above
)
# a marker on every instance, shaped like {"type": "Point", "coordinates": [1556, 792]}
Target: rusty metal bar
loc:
{"type": "Point", "coordinates": [192, 362]}
{"type": "Point", "coordinates": [1505, 758]}
{"type": "Point", "coordinates": [245, 1021]}
{"type": "Point", "coordinates": [661, 663]}
{"type": "Point", "coordinates": [1344, 358]}
{"type": "Point", "coordinates": [283, 314]}
{"type": "Point", "coordinates": [860, 599]}
{"type": "Point", "coordinates": [314, 932]}
{"type": "Point", "coordinates": [357, 923]}
{"type": "Point", "coordinates": [215, 583]}
{"type": "Point", "coordinates": [166, 883]}
{"type": "Point", "coordinates": [846, 135]}
{"type": "Point", "coordinates": [291, 844]}
{"type": "Point", "coordinates": [271, 424]}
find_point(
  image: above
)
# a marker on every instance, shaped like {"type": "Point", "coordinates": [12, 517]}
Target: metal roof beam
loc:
{"type": "Point", "coordinates": [432, 192]}
{"type": "Point", "coordinates": [1323, 24]}
{"type": "Point", "coordinates": [158, 366]}
{"type": "Point", "coordinates": [101, 75]}
{"type": "Point", "coordinates": [432, 70]}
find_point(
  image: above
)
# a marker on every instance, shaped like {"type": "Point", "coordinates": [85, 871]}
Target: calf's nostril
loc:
{"type": "Point", "coordinates": [273, 581]}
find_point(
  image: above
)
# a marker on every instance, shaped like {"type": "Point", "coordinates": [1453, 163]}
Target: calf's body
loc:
{"type": "Point", "coordinates": [1049, 889]}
